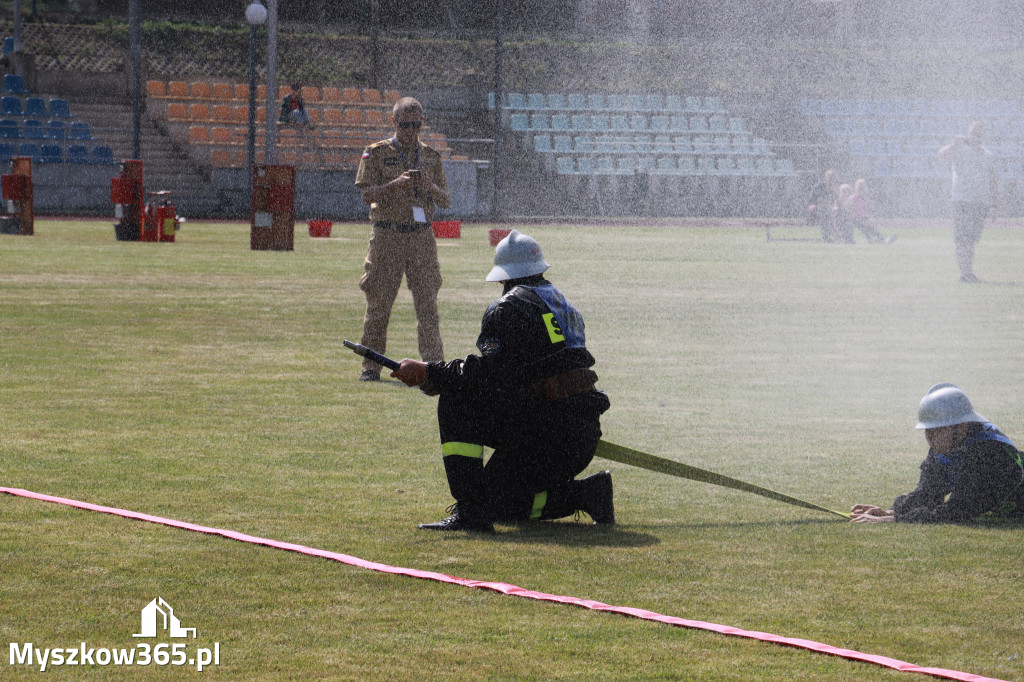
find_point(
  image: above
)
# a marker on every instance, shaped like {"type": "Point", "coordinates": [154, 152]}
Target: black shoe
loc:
{"type": "Point", "coordinates": [463, 517]}
{"type": "Point", "coordinates": [369, 375]}
{"type": "Point", "coordinates": [594, 496]}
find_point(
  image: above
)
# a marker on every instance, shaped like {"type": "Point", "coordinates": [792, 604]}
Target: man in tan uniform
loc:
{"type": "Point", "coordinates": [402, 180]}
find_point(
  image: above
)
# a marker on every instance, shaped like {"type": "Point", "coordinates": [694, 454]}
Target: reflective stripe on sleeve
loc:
{"type": "Point", "coordinates": [539, 500]}
{"type": "Point", "coordinates": [463, 450]}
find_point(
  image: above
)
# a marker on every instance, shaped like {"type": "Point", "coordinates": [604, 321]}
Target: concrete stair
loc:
{"type": "Point", "coordinates": [166, 165]}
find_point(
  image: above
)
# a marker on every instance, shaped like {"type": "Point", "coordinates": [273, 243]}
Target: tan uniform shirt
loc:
{"type": "Point", "coordinates": [382, 162]}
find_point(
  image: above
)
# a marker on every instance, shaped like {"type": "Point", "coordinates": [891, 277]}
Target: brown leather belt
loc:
{"type": "Point", "coordinates": [564, 385]}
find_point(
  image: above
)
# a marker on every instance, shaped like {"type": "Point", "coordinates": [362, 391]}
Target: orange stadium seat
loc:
{"type": "Point", "coordinates": [261, 114]}
{"type": "Point", "coordinates": [392, 96]}
{"type": "Point", "coordinates": [288, 137]}
{"type": "Point", "coordinates": [354, 117]}
{"type": "Point", "coordinates": [156, 89]}
{"type": "Point", "coordinates": [177, 90]}
{"type": "Point", "coordinates": [310, 93]}
{"type": "Point", "coordinates": [240, 115]}
{"type": "Point", "coordinates": [220, 158]}
{"type": "Point", "coordinates": [288, 158]}
{"type": "Point", "coordinates": [221, 135]}
{"type": "Point", "coordinates": [199, 112]}
{"type": "Point", "coordinates": [261, 93]}
{"type": "Point", "coordinates": [177, 111]}
{"type": "Point", "coordinates": [374, 117]}
{"type": "Point", "coordinates": [372, 97]}
{"type": "Point", "coordinates": [223, 113]}
{"type": "Point", "coordinates": [223, 91]}
{"type": "Point", "coordinates": [198, 135]}
{"type": "Point", "coordinates": [331, 139]}
{"type": "Point", "coordinates": [333, 117]}
{"type": "Point", "coordinates": [200, 90]}
{"type": "Point", "coordinates": [283, 91]}
{"type": "Point", "coordinates": [310, 158]}
{"type": "Point", "coordinates": [333, 159]}
{"type": "Point", "coordinates": [351, 96]}
{"type": "Point", "coordinates": [330, 95]}
{"type": "Point", "coordinates": [242, 92]}
{"type": "Point", "coordinates": [314, 115]}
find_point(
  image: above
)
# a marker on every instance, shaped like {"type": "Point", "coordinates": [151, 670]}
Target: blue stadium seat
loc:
{"type": "Point", "coordinates": [645, 164]}
{"type": "Point", "coordinates": [713, 104]}
{"type": "Point", "coordinates": [784, 167]}
{"type": "Point", "coordinates": [682, 145]}
{"type": "Point", "coordinates": [32, 129]}
{"type": "Point", "coordinates": [687, 165]}
{"type": "Point", "coordinates": [638, 122]}
{"type": "Point", "coordinates": [491, 101]}
{"type": "Point", "coordinates": [635, 102]}
{"type": "Point", "coordinates": [626, 165]}
{"type": "Point", "coordinates": [655, 102]}
{"type": "Point", "coordinates": [584, 144]}
{"type": "Point", "coordinates": [51, 153]}
{"type": "Point", "coordinates": [718, 124]}
{"type": "Point", "coordinates": [620, 122]}
{"type": "Point", "coordinates": [624, 145]}
{"type": "Point", "coordinates": [585, 165]}
{"type": "Point", "coordinates": [556, 101]}
{"type": "Point", "coordinates": [599, 122]}
{"type": "Point", "coordinates": [596, 102]}
{"type": "Point", "coordinates": [80, 131]}
{"type": "Point", "coordinates": [605, 165]}
{"type": "Point", "coordinates": [539, 122]}
{"type": "Point", "coordinates": [542, 143]}
{"type": "Point", "coordinates": [604, 144]}
{"type": "Point", "coordinates": [680, 123]}
{"type": "Point", "coordinates": [562, 144]}
{"type": "Point", "coordinates": [663, 144]}
{"type": "Point", "coordinates": [698, 124]}
{"type": "Point", "coordinates": [103, 154]}
{"type": "Point", "coordinates": [56, 130]}
{"type": "Point", "coordinates": [745, 165]}
{"type": "Point", "coordinates": [577, 102]}
{"type": "Point", "coordinates": [78, 153]}
{"type": "Point", "coordinates": [516, 100]}
{"type": "Point", "coordinates": [765, 166]}
{"type": "Point", "coordinates": [519, 122]}
{"type": "Point", "coordinates": [35, 106]}
{"type": "Point", "coordinates": [741, 145]}
{"type": "Point", "coordinates": [666, 165]}
{"type": "Point", "coordinates": [8, 45]}
{"type": "Point", "coordinates": [581, 122]}
{"type": "Point", "coordinates": [738, 125]}
{"type": "Point", "coordinates": [566, 165]}
{"type": "Point", "coordinates": [30, 149]}
{"type": "Point", "coordinates": [15, 84]}
{"type": "Point", "coordinates": [674, 103]}
{"type": "Point", "coordinates": [10, 106]}
{"type": "Point", "coordinates": [6, 150]}
{"type": "Point", "coordinates": [9, 129]}
{"type": "Point", "coordinates": [560, 121]}
{"type": "Point", "coordinates": [659, 123]}
{"type": "Point", "coordinates": [536, 100]}
{"type": "Point", "coordinates": [694, 103]}
{"type": "Point", "coordinates": [59, 108]}
{"type": "Point", "coordinates": [617, 102]}
{"type": "Point", "coordinates": [726, 165]}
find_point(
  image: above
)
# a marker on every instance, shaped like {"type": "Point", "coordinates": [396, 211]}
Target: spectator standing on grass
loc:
{"type": "Point", "coordinates": [402, 180]}
{"type": "Point", "coordinates": [858, 213]}
{"type": "Point", "coordinates": [530, 395]}
{"type": "Point", "coordinates": [972, 467]}
{"type": "Point", "coordinates": [820, 203]}
{"type": "Point", "coordinates": [975, 193]}
{"type": "Point", "coordinates": [841, 225]}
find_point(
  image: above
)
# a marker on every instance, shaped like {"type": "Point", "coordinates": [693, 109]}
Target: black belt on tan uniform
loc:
{"type": "Point", "coordinates": [564, 385]}
{"type": "Point", "coordinates": [399, 227]}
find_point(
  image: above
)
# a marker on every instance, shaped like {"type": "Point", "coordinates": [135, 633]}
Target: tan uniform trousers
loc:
{"type": "Point", "coordinates": [391, 254]}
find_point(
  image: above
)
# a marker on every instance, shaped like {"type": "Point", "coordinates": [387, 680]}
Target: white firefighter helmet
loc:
{"type": "Point", "coordinates": [945, 405]}
{"type": "Point", "coordinates": [515, 256]}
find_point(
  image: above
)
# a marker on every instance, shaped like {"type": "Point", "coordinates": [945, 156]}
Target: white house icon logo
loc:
{"type": "Point", "coordinates": [169, 621]}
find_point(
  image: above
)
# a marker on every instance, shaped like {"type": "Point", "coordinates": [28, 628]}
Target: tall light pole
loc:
{"type": "Point", "coordinates": [271, 79]}
{"type": "Point", "coordinates": [255, 15]}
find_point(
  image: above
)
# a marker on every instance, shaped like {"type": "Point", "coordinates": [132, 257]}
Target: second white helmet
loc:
{"type": "Point", "coordinates": [517, 255]}
{"type": "Point", "coordinates": [945, 405]}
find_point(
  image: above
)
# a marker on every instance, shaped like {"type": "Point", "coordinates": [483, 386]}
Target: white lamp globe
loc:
{"type": "Point", "coordinates": [255, 14]}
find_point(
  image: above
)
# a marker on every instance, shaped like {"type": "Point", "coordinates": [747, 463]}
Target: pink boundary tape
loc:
{"type": "Point", "coordinates": [505, 588]}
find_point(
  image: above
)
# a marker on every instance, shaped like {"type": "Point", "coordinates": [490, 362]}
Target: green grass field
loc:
{"type": "Point", "coordinates": [206, 382]}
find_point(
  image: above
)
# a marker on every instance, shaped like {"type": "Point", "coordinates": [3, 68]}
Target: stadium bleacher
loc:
{"type": "Point", "coordinates": [617, 134]}
{"type": "Point", "coordinates": [43, 129]}
{"type": "Point", "coordinates": [213, 119]}
{"type": "Point", "coordinates": [899, 138]}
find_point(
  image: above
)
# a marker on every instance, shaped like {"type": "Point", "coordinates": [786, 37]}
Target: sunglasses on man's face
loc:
{"type": "Point", "coordinates": [406, 125]}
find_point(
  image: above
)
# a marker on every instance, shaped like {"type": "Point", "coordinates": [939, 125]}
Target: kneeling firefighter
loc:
{"type": "Point", "coordinates": [529, 395]}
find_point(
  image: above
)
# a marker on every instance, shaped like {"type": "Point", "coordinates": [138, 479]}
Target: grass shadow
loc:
{"type": "Point", "coordinates": [573, 534]}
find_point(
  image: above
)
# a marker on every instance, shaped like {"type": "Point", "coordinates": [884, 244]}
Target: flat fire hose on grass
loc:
{"type": "Point", "coordinates": [643, 460]}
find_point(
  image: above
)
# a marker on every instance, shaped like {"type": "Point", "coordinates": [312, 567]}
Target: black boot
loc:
{"type": "Point", "coordinates": [593, 495]}
{"type": "Point", "coordinates": [464, 516]}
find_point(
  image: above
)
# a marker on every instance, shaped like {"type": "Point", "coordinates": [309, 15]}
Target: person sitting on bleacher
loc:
{"type": "Point", "coordinates": [293, 109]}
